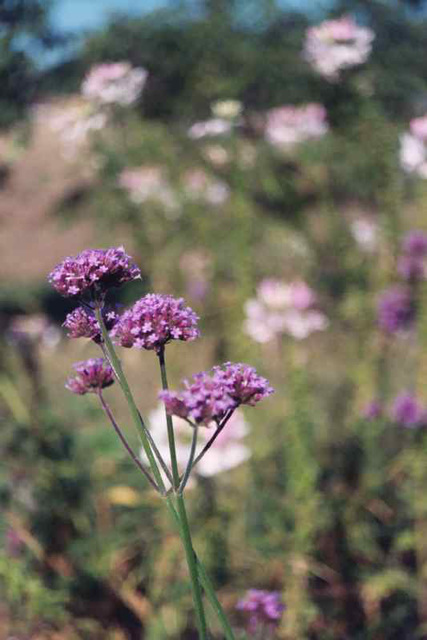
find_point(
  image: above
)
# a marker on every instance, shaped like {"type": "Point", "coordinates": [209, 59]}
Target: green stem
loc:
{"type": "Point", "coordinates": [192, 567]}
{"type": "Point", "coordinates": [169, 422]}
{"type": "Point", "coordinates": [190, 460]}
{"type": "Point", "coordinates": [117, 368]}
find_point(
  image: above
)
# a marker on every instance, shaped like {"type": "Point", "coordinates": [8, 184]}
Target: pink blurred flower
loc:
{"type": "Point", "coordinates": [335, 45]}
{"type": "Point", "coordinates": [199, 185]}
{"type": "Point", "coordinates": [114, 83]}
{"type": "Point", "coordinates": [413, 148]}
{"type": "Point", "coordinates": [288, 126]}
{"type": "Point", "coordinates": [143, 184]}
{"type": "Point", "coordinates": [210, 128]}
{"type": "Point", "coordinates": [283, 308]}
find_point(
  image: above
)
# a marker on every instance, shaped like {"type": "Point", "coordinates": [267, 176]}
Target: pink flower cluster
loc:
{"type": "Point", "coordinates": [114, 83]}
{"type": "Point", "coordinates": [335, 45]}
{"type": "Point", "coordinates": [82, 323]}
{"type": "Point", "coordinates": [213, 395]}
{"type": "Point", "coordinates": [155, 320]}
{"type": "Point", "coordinates": [92, 376]}
{"type": "Point", "coordinates": [282, 308]}
{"type": "Point", "coordinates": [143, 184]}
{"type": "Point", "coordinates": [93, 271]}
{"type": "Point", "coordinates": [412, 263]}
{"type": "Point", "coordinates": [289, 125]}
{"type": "Point", "coordinates": [199, 185]}
{"type": "Point", "coordinates": [413, 148]}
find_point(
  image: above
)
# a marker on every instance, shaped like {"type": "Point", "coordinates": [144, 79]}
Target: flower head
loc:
{"type": "Point", "coordinates": [114, 83]}
{"type": "Point", "coordinates": [263, 608]}
{"type": "Point", "coordinates": [335, 45]}
{"type": "Point", "coordinates": [407, 411]}
{"type": "Point", "coordinates": [412, 264]}
{"type": "Point", "coordinates": [396, 311]}
{"type": "Point", "coordinates": [93, 271]}
{"type": "Point", "coordinates": [212, 395]}
{"type": "Point", "coordinates": [92, 376]}
{"type": "Point", "coordinates": [373, 410]}
{"type": "Point", "coordinates": [155, 320]}
{"type": "Point", "coordinates": [82, 323]}
{"type": "Point", "coordinates": [290, 125]}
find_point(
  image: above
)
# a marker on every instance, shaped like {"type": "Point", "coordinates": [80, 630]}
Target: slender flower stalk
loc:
{"type": "Point", "coordinates": [190, 461]}
{"type": "Point", "coordinates": [169, 422]}
{"type": "Point", "coordinates": [117, 368]}
{"type": "Point", "coordinates": [124, 441]}
{"type": "Point", "coordinates": [185, 528]}
{"type": "Point", "coordinates": [212, 440]}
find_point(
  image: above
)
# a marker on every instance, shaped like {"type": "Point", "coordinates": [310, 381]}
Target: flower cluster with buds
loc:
{"type": "Point", "coordinates": [92, 376]}
{"type": "Point", "coordinates": [82, 323]}
{"type": "Point", "coordinates": [93, 272]}
{"type": "Point", "coordinates": [263, 609]}
{"type": "Point", "coordinates": [282, 308]}
{"type": "Point", "coordinates": [288, 126]}
{"type": "Point", "coordinates": [336, 45]}
{"type": "Point", "coordinates": [155, 320]}
{"type": "Point", "coordinates": [114, 83]}
{"type": "Point", "coordinates": [212, 396]}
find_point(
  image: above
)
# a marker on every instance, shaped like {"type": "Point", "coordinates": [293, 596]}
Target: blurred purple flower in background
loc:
{"type": "Point", "coordinates": [373, 410]}
{"type": "Point", "coordinates": [407, 411]}
{"type": "Point", "coordinates": [412, 263]}
{"type": "Point", "coordinates": [92, 376]}
{"type": "Point", "coordinates": [396, 311]}
{"type": "Point", "coordinates": [262, 608]}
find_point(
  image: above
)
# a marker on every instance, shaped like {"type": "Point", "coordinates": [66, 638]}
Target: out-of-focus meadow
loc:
{"type": "Point", "coordinates": [275, 176]}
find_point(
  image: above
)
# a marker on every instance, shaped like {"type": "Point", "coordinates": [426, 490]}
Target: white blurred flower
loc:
{"type": "Point", "coordinates": [335, 45]}
{"type": "Point", "coordinates": [214, 127]}
{"type": "Point", "coordinates": [216, 154]}
{"type": "Point", "coordinates": [200, 186]}
{"type": "Point", "coordinates": [114, 83]}
{"type": "Point", "coordinates": [365, 232]}
{"type": "Point", "coordinates": [283, 308]}
{"type": "Point", "coordinates": [290, 125]}
{"type": "Point", "coordinates": [74, 124]}
{"type": "Point", "coordinates": [413, 148]}
{"type": "Point", "coordinates": [227, 452]}
{"type": "Point", "coordinates": [148, 183]}
{"type": "Point", "coordinates": [228, 109]}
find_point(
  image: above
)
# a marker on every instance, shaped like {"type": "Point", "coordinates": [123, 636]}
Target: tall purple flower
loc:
{"type": "Point", "coordinates": [155, 320]}
{"type": "Point", "coordinates": [411, 264]}
{"type": "Point", "coordinates": [212, 395]}
{"type": "Point", "coordinates": [407, 411]}
{"type": "Point", "coordinates": [262, 608]}
{"type": "Point", "coordinates": [82, 323]}
{"type": "Point", "coordinates": [93, 271]}
{"type": "Point", "coordinates": [92, 376]}
{"type": "Point", "coordinates": [396, 310]}
{"type": "Point", "coordinates": [373, 410]}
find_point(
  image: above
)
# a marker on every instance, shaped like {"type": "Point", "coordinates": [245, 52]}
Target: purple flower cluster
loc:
{"type": "Point", "coordinates": [408, 412]}
{"type": "Point", "coordinates": [82, 323]}
{"type": "Point", "coordinates": [396, 310]}
{"type": "Point", "coordinates": [263, 608]}
{"type": "Point", "coordinates": [411, 265]}
{"type": "Point", "coordinates": [92, 376]}
{"type": "Point", "coordinates": [155, 320]}
{"type": "Point", "coordinates": [212, 395]}
{"type": "Point", "coordinates": [93, 271]}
